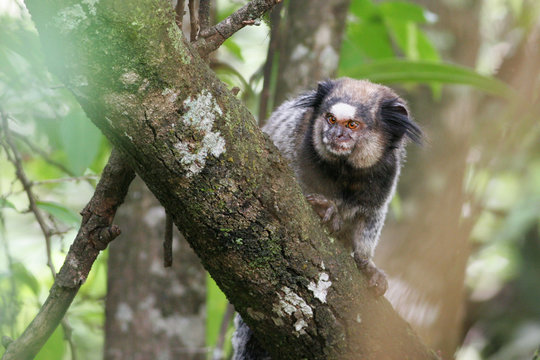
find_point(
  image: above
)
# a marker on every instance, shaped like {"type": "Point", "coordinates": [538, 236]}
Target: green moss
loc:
{"type": "Point", "coordinates": [175, 35]}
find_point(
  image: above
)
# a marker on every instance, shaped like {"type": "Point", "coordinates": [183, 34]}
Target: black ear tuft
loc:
{"type": "Point", "coordinates": [314, 98]}
{"type": "Point", "coordinates": [397, 122]}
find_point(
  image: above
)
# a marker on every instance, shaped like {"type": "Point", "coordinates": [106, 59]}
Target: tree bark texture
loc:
{"type": "Point", "coordinates": [152, 312]}
{"type": "Point", "coordinates": [311, 42]}
{"type": "Point", "coordinates": [224, 184]}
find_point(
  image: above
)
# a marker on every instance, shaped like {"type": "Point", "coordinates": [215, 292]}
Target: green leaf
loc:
{"type": "Point", "coordinates": [216, 305]}
{"type": "Point", "coordinates": [60, 212]}
{"type": "Point", "coordinates": [234, 48]}
{"type": "Point", "coordinates": [4, 203]}
{"type": "Point", "coordinates": [368, 40]}
{"type": "Point", "coordinates": [403, 71]}
{"type": "Point", "coordinates": [22, 276]}
{"type": "Point", "coordinates": [412, 40]}
{"type": "Point", "coordinates": [81, 141]}
{"type": "Point", "coordinates": [364, 9]}
{"type": "Point", "coordinates": [404, 11]}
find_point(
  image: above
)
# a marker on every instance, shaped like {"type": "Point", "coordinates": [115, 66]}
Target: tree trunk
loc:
{"type": "Point", "coordinates": [311, 41]}
{"type": "Point", "coordinates": [200, 152]}
{"type": "Point", "coordinates": [152, 312]}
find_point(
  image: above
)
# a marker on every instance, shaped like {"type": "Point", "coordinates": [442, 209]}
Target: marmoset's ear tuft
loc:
{"type": "Point", "coordinates": [397, 121]}
{"type": "Point", "coordinates": [314, 98]}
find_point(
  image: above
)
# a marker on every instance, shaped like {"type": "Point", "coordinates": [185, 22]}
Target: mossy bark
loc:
{"type": "Point", "coordinates": [227, 188]}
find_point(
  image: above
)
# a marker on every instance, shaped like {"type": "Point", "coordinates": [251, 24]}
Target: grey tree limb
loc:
{"type": "Point", "coordinates": [210, 39]}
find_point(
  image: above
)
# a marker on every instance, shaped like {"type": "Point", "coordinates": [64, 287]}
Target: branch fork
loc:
{"type": "Point", "coordinates": [210, 39]}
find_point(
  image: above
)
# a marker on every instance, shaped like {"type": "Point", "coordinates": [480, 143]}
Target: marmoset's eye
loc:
{"type": "Point", "coordinates": [330, 118]}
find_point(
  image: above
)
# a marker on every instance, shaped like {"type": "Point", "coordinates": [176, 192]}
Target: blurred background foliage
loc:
{"type": "Point", "coordinates": [395, 42]}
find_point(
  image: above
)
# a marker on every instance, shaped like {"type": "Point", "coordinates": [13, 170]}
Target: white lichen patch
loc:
{"type": "Point", "coordinates": [320, 290]}
{"type": "Point", "coordinates": [124, 316]}
{"type": "Point", "coordinates": [129, 78]}
{"type": "Point", "coordinates": [73, 262]}
{"type": "Point", "coordinates": [291, 304]}
{"type": "Point", "coordinates": [69, 18]}
{"type": "Point", "coordinates": [299, 326]}
{"type": "Point", "coordinates": [171, 95]}
{"type": "Point", "coordinates": [200, 117]}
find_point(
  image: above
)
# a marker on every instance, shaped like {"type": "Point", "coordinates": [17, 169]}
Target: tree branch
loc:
{"type": "Point", "coordinates": [275, 25]}
{"type": "Point", "coordinates": [211, 39]}
{"type": "Point", "coordinates": [95, 233]}
{"type": "Point", "coordinates": [193, 21]}
{"type": "Point", "coordinates": [204, 14]}
{"type": "Point", "coordinates": [47, 231]}
{"type": "Point", "coordinates": [179, 10]}
{"type": "Point", "coordinates": [14, 157]}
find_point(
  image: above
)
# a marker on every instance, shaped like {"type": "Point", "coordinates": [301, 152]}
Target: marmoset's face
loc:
{"type": "Point", "coordinates": [348, 131]}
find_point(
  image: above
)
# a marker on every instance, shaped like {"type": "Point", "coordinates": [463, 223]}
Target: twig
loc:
{"type": "Point", "coordinates": [204, 14]}
{"type": "Point", "coordinates": [212, 38]}
{"type": "Point", "coordinates": [66, 179]}
{"type": "Point", "coordinates": [14, 157]}
{"type": "Point", "coordinates": [193, 21]}
{"type": "Point", "coordinates": [68, 331]}
{"type": "Point", "coordinates": [179, 9]}
{"type": "Point", "coordinates": [227, 316]}
{"type": "Point", "coordinates": [275, 22]}
{"type": "Point", "coordinates": [167, 242]}
{"type": "Point", "coordinates": [95, 233]}
{"type": "Point", "coordinates": [43, 154]}
{"type": "Point", "coordinates": [47, 231]}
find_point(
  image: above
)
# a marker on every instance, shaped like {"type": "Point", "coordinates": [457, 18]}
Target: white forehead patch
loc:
{"type": "Point", "coordinates": [343, 111]}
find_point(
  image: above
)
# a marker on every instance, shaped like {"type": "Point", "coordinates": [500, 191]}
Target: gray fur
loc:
{"type": "Point", "coordinates": [373, 159]}
{"type": "Point", "coordinates": [348, 175]}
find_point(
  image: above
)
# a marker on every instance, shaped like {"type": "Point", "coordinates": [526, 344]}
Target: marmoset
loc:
{"type": "Point", "coordinates": [345, 142]}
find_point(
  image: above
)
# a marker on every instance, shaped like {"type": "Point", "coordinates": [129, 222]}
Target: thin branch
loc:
{"type": "Point", "coordinates": [275, 22]}
{"type": "Point", "coordinates": [43, 154]}
{"type": "Point", "coordinates": [204, 14]}
{"type": "Point", "coordinates": [219, 353]}
{"type": "Point", "coordinates": [66, 179]}
{"type": "Point", "coordinates": [167, 242]}
{"type": "Point", "coordinates": [179, 9]}
{"type": "Point", "coordinates": [48, 232]}
{"type": "Point", "coordinates": [95, 233]}
{"type": "Point", "coordinates": [14, 157]}
{"type": "Point", "coordinates": [193, 21]}
{"type": "Point", "coordinates": [212, 38]}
